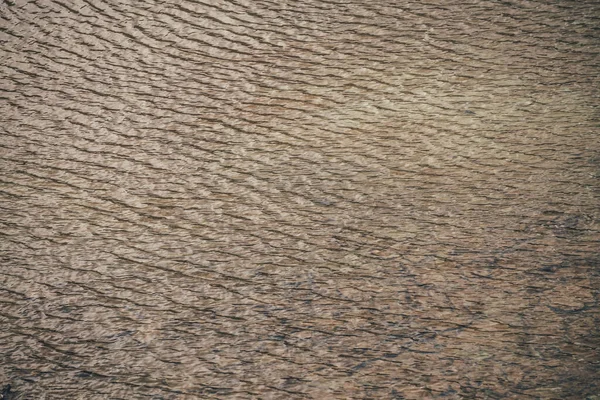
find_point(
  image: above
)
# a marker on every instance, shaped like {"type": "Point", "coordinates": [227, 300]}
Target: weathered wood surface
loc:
{"type": "Point", "coordinates": [332, 199]}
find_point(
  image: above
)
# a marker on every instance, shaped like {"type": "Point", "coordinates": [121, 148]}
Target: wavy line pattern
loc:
{"type": "Point", "coordinates": [284, 200]}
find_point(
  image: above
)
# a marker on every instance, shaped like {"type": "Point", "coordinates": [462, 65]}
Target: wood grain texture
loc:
{"type": "Point", "coordinates": [317, 199]}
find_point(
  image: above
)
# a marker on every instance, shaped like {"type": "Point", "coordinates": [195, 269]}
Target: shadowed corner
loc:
{"type": "Point", "coordinates": [7, 393]}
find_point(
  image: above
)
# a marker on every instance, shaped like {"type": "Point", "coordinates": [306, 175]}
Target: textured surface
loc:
{"type": "Point", "coordinates": [299, 199]}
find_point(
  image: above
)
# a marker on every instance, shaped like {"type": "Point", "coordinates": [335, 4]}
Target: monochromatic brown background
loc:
{"type": "Point", "coordinates": [317, 199]}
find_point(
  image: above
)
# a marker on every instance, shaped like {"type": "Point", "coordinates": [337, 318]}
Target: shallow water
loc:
{"type": "Point", "coordinates": [317, 199]}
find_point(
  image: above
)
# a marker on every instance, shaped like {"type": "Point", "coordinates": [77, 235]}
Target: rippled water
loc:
{"type": "Point", "coordinates": [286, 200]}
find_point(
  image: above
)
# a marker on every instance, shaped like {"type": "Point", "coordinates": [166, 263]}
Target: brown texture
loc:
{"type": "Point", "coordinates": [299, 199]}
